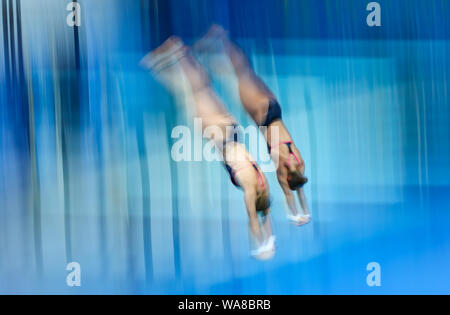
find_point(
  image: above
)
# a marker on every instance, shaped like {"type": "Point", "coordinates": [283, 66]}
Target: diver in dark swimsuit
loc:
{"type": "Point", "coordinates": [262, 106]}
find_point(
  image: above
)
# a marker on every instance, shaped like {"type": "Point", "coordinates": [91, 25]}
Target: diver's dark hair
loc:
{"type": "Point", "coordinates": [296, 180]}
{"type": "Point", "coordinates": [262, 203]}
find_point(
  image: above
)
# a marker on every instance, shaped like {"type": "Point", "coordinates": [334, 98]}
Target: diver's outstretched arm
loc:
{"type": "Point", "coordinates": [290, 200]}
{"type": "Point", "coordinates": [267, 225]}
{"type": "Point", "coordinates": [303, 202]}
{"type": "Point", "coordinates": [255, 228]}
{"type": "Point", "coordinates": [293, 214]}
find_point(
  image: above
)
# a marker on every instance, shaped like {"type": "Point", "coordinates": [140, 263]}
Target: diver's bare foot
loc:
{"type": "Point", "coordinates": [172, 49]}
{"type": "Point", "coordinates": [208, 43]}
{"type": "Point", "coordinates": [216, 31]}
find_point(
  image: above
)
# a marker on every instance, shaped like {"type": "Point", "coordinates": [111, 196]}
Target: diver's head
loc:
{"type": "Point", "coordinates": [263, 202]}
{"type": "Point", "coordinates": [296, 180]}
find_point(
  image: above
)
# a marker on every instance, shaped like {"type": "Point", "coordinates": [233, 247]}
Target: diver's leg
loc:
{"type": "Point", "coordinates": [207, 105]}
{"type": "Point", "coordinates": [254, 94]}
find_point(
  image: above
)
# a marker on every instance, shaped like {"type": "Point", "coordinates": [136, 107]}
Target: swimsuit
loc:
{"type": "Point", "coordinates": [233, 173]}
{"type": "Point", "coordinates": [291, 152]}
{"type": "Point", "coordinates": [273, 113]}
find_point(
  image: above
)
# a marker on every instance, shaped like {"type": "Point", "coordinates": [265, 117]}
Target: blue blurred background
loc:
{"type": "Point", "coordinates": [86, 174]}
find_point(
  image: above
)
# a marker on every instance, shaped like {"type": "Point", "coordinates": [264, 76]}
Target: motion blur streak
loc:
{"type": "Point", "coordinates": [85, 139]}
